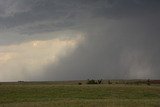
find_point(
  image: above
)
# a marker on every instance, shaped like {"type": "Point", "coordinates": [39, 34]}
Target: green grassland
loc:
{"type": "Point", "coordinates": [73, 95]}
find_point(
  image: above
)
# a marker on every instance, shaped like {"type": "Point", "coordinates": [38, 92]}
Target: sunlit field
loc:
{"type": "Point", "coordinates": [59, 94]}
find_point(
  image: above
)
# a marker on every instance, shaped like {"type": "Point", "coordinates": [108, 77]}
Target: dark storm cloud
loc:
{"type": "Point", "coordinates": [122, 36]}
{"type": "Point", "coordinates": [69, 13]}
{"type": "Point", "coordinates": [115, 52]}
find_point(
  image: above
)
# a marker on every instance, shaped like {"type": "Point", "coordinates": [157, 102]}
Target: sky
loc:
{"type": "Point", "coordinates": [56, 40]}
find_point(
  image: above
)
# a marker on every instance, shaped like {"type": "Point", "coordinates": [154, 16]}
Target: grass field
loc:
{"type": "Point", "coordinates": [51, 95]}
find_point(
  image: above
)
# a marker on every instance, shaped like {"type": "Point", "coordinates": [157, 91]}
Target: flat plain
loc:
{"type": "Point", "coordinates": [50, 94]}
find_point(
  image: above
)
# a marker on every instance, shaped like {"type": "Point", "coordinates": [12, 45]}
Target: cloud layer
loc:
{"type": "Point", "coordinates": [120, 39]}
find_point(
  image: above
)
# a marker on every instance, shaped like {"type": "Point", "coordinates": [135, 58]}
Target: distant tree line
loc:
{"type": "Point", "coordinates": [92, 81]}
{"type": "Point", "coordinates": [129, 82]}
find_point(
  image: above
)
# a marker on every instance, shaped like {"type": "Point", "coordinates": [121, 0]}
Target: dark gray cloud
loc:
{"type": "Point", "coordinates": [122, 36]}
{"type": "Point", "coordinates": [123, 50]}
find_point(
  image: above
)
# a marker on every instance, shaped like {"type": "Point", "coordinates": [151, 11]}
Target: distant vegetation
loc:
{"type": "Point", "coordinates": [94, 81]}
{"type": "Point", "coordinates": [127, 82]}
{"type": "Point", "coordinates": [90, 81]}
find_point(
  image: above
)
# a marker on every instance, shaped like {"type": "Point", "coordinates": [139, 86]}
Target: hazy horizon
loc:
{"type": "Point", "coordinates": [52, 40]}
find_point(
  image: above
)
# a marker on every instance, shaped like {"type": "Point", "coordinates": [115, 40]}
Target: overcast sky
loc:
{"type": "Point", "coordinates": [79, 39]}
